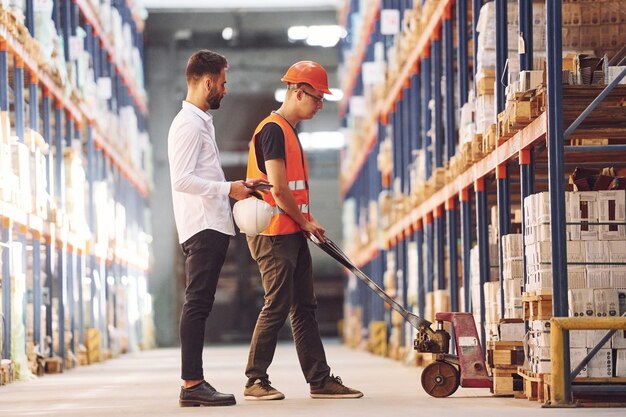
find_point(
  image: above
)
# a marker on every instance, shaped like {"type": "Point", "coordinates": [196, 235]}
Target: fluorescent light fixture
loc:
{"type": "Point", "coordinates": [279, 94]}
{"type": "Point", "coordinates": [298, 33]}
{"type": "Point", "coordinates": [325, 36]}
{"type": "Point", "coordinates": [336, 96]}
{"type": "Point", "coordinates": [320, 141]}
{"type": "Point", "coordinates": [228, 33]}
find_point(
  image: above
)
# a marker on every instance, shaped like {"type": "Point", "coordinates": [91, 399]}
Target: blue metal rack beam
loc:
{"type": "Point", "coordinates": [504, 211]}
{"type": "Point", "coordinates": [453, 256]}
{"type": "Point", "coordinates": [426, 114]}
{"type": "Point", "coordinates": [440, 246]}
{"type": "Point", "coordinates": [430, 267]}
{"type": "Point", "coordinates": [525, 9]}
{"type": "Point", "coordinates": [526, 188]}
{"type": "Point", "coordinates": [18, 91]}
{"type": "Point", "coordinates": [421, 290]}
{"type": "Point", "coordinates": [482, 226]}
{"type": "Point", "coordinates": [476, 6]}
{"type": "Point", "coordinates": [502, 52]}
{"type": "Point", "coordinates": [462, 53]}
{"type": "Point", "coordinates": [448, 38]}
{"type": "Point", "coordinates": [438, 132]}
{"type": "Point", "coordinates": [556, 171]}
{"type": "Point", "coordinates": [466, 243]}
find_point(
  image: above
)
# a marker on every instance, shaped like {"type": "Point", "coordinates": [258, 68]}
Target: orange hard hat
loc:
{"type": "Point", "coordinates": [308, 72]}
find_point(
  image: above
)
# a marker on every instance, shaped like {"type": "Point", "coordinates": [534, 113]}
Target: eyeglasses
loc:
{"type": "Point", "coordinates": [318, 100]}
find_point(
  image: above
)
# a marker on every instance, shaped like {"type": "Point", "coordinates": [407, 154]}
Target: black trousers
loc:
{"type": "Point", "coordinates": [287, 274]}
{"type": "Point", "coordinates": [205, 253]}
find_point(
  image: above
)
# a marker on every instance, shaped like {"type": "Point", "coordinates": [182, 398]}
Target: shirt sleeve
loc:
{"type": "Point", "coordinates": [187, 142]}
{"type": "Point", "coordinates": [272, 141]}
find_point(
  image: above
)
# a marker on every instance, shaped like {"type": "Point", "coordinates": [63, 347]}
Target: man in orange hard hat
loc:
{"type": "Point", "coordinates": [281, 250]}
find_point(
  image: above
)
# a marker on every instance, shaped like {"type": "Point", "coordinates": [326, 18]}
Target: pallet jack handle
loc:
{"type": "Point", "coordinates": [336, 253]}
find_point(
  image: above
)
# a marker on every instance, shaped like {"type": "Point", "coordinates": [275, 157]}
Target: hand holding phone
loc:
{"type": "Point", "coordinates": [260, 186]}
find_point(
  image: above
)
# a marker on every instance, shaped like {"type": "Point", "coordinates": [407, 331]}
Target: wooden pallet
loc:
{"type": "Point", "coordinates": [537, 307]}
{"type": "Point", "coordinates": [506, 381]}
{"type": "Point", "coordinates": [490, 139]}
{"type": "Point", "coordinates": [502, 354]}
{"type": "Point", "coordinates": [377, 343]}
{"type": "Point", "coordinates": [534, 385]}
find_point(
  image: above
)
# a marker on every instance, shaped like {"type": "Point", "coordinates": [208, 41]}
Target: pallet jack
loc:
{"type": "Point", "coordinates": [442, 377]}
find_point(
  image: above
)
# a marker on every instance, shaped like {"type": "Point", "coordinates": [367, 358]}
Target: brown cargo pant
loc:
{"type": "Point", "coordinates": [286, 271]}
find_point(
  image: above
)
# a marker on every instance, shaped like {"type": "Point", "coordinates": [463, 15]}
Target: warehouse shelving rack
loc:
{"type": "Point", "coordinates": [58, 112]}
{"type": "Point", "coordinates": [510, 168]}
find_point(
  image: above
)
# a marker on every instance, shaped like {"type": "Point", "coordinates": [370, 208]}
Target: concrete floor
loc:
{"type": "Point", "coordinates": [146, 384]}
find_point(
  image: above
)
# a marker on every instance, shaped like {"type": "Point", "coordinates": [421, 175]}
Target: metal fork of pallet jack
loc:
{"type": "Point", "coordinates": [442, 377]}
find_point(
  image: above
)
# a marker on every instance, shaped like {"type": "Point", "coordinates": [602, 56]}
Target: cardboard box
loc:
{"type": "Point", "coordinates": [601, 365]}
{"type": "Point", "coordinates": [606, 302]}
{"type": "Point", "coordinates": [576, 357]}
{"type": "Point", "coordinates": [620, 363]}
{"type": "Point", "coordinates": [584, 210]}
{"type": "Point", "coordinates": [594, 337]}
{"type": "Point", "coordinates": [619, 338]}
{"type": "Point", "coordinates": [576, 279]}
{"type": "Point", "coordinates": [581, 303]}
{"type": "Point", "coordinates": [597, 255]}
{"type": "Point", "coordinates": [578, 339]}
{"type": "Point", "coordinates": [512, 332]}
{"type": "Point", "coordinates": [576, 252]}
{"type": "Point", "coordinates": [618, 278]}
{"type": "Point", "coordinates": [612, 208]}
{"type": "Point", "coordinates": [540, 325]}
{"type": "Point", "coordinates": [598, 278]}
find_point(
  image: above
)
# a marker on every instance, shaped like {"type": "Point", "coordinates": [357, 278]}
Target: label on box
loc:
{"type": "Point", "coordinates": [389, 22]}
{"type": "Point", "coordinates": [581, 303]}
{"type": "Point", "coordinates": [606, 302]}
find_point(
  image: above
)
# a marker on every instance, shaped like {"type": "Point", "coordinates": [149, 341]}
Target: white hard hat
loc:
{"type": "Point", "coordinates": [252, 215]}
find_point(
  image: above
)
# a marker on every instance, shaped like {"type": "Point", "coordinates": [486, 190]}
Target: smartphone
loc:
{"type": "Point", "coordinates": [260, 186]}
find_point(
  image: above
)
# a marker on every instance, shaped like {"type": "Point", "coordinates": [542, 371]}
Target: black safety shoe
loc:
{"type": "Point", "coordinates": [204, 394]}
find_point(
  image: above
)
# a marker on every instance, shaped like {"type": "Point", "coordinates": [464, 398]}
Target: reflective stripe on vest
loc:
{"type": "Point", "coordinates": [304, 208]}
{"type": "Point", "coordinates": [297, 185]}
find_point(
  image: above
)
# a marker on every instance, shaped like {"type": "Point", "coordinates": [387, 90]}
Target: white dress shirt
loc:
{"type": "Point", "coordinates": [199, 187]}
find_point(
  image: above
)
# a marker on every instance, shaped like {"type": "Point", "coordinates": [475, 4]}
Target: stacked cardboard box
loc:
{"type": "Point", "coordinates": [513, 274]}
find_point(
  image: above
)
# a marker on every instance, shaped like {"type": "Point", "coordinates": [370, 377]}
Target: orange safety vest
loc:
{"type": "Point", "coordinates": [297, 177]}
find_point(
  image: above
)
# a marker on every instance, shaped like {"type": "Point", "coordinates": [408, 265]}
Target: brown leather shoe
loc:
{"type": "Point", "coordinates": [333, 387]}
{"type": "Point", "coordinates": [260, 390]}
{"type": "Point", "coordinates": [204, 394]}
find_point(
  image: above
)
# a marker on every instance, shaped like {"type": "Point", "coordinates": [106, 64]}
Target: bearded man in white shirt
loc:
{"type": "Point", "coordinates": [200, 194]}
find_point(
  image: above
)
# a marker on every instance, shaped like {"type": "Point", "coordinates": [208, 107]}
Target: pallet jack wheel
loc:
{"type": "Point", "coordinates": [440, 379]}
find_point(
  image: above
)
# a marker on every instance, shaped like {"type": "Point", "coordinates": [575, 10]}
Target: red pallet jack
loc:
{"type": "Point", "coordinates": [442, 377]}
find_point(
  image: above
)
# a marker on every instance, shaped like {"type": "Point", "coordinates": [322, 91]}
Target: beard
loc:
{"type": "Point", "coordinates": [214, 99]}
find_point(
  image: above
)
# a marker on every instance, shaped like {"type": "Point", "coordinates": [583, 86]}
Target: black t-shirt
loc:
{"type": "Point", "coordinates": [270, 144]}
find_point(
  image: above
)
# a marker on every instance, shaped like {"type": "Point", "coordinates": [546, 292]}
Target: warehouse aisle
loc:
{"type": "Point", "coordinates": [146, 384]}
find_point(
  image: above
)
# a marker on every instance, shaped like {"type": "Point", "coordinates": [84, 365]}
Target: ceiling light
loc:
{"type": "Point", "coordinates": [318, 141]}
{"type": "Point", "coordinates": [322, 35]}
{"type": "Point", "coordinates": [298, 33]}
{"type": "Point", "coordinates": [336, 96]}
{"type": "Point", "coordinates": [279, 94]}
{"type": "Point", "coordinates": [325, 36]}
{"type": "Point", "coordinates": [228, 33]}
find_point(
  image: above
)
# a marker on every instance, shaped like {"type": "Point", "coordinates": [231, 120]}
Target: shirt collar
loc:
{"type": "Point", "coordinates": [204, 115]}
